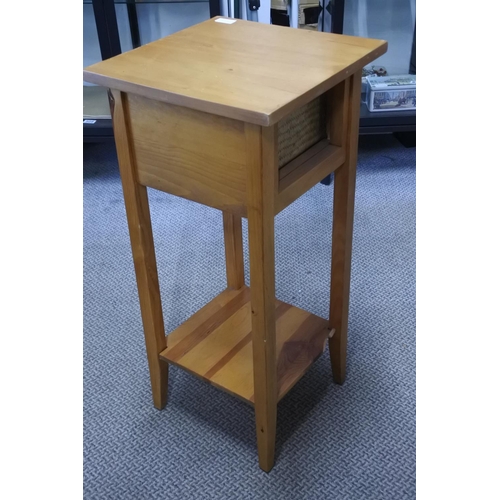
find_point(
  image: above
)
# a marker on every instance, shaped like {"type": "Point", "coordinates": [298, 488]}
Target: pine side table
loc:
{"type": "Point", "coordinates": [243, 117]}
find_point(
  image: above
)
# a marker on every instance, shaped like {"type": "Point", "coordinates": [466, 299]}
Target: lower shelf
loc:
{"type": "Point", "coordinates": [216, 343]}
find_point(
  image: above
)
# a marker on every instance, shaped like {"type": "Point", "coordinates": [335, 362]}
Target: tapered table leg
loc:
{"type": "Point", "coordinates": [343, 217]}
{"type": "Point", "coordinates": [260, 196]}
{"type": "Point", "coordinates": [141, 238]}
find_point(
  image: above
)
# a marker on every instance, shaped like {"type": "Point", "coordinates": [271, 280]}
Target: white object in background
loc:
{"type": "Point", "coordinates": [391, 93]}
{"type": "Point", "coordinates": [293, 13]}
{"type": "Point", "coordinates": [265, 12]}
{"type": "Point", "coordinates": [225, 21]}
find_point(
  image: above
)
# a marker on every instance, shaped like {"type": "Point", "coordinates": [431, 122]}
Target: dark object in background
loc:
{"type": "Point", "coordinates": [311, 15]}
{"type": "Point", "coordinates": [407, 139]}
{"type": "Point", "coordinates": [413, 57]}
{"type": "Point", "coordinates": [254, 4]}
{"type": "Point", "coordinates": [379, 70]}
{"type": "Point", "coordinates": [327, 180]}
{"type": "Point", "coordinates": [279, 17]}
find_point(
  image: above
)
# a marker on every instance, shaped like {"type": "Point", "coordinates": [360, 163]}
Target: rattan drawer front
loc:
{"type": "Point", "coordinates": [301, 129]}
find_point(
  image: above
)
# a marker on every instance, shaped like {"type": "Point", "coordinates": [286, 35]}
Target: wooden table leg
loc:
{"type": "Point", "coordinates": [343, 217]}
{"type": "Point", "coordinates": [260, 203]}
{"type": "Point", "coordinates": [233, 244]}
{"type": "Point", "coordinates": [141, 238]}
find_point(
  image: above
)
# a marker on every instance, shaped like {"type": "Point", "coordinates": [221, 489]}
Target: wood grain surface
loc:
{"type": "Point", "coordinates": [343, 217]}
{"type": "Point", "coordinates": [249, 71]}
{"type": "Point", "coordinates": [306, 171]}
{"type": "Point", "coordinates": [233, 248]}
{"type": "Point", "coordinates": [143, 251]}
{"type": "Point", "coordinates": [261, 176]}
{"type": "Point", "coordinates": [190, 154]}
{"type": "Point", "coordinates": [216, 344]}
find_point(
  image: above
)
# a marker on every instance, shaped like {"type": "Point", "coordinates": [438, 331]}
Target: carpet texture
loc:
{"type": "Point", "coordinates": [351, 442]}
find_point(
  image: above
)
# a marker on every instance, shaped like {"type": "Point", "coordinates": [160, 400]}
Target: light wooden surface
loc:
{"type": "Point", "coordinates": [338, 114]}
{"type": "Point", "coordinates": [215, 344]}
{"type": "Point", "coordinates": [233, 246]}
{"type": "Point", "coordinates": [249, 71]}
{"type": "Point", "coordinates": [141, 238]}
{"type": "Point", "coordinates": [343, 217]}
{"type": "Point", "coordinates": [270, 153]}
{"type": "Point", "coordinates": [190, 154]}
{"type": "Point", "coordinates": [297, 162]}
{"type": "Point", "coordinates": [196, 115]}
{"type": "Point", "coordinates": [260, 212]}
{"type": "Point", "coordinates": [306, 171]}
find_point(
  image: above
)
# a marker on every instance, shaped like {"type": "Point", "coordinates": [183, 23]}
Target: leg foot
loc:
{"type": "Point", "coordinates": [159, 385]}
{"type": "Point", "coordinates": [338, 358]}
{"type": "Point", "coordinates": [266, 439]}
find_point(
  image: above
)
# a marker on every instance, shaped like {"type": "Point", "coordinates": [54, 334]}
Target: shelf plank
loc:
{"type": "Point", "coordinates": [216, 343]}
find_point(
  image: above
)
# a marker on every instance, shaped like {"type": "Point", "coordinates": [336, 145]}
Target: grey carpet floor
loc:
{"type": "Point", "coordinates": [351, 442]}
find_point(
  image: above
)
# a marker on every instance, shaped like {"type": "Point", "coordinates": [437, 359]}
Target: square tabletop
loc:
{"type": "Point", "coordinates": [244, 70]}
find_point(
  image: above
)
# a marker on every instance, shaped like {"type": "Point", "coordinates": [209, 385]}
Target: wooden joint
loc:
{"type": "Point", "coordinates": [338, 113]}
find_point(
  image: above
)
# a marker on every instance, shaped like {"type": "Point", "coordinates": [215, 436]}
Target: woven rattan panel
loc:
{"type": "Point", "coordinates": [301, 129]}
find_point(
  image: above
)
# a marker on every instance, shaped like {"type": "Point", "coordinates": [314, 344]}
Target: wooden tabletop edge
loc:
{"type": "Point", "coordinates": [384, 45]}
{"type": "Point", "coordinates": [169, 97]}
{"type": "Point", "coordinates": [262, 118]}
{"type": "Point", "coordinates": [326, 85]}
